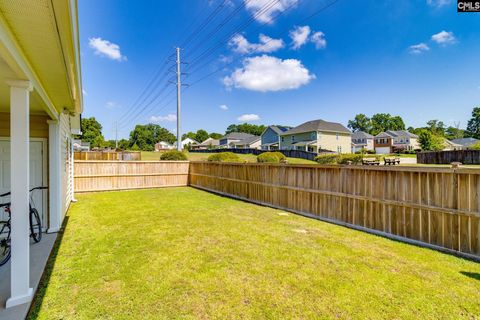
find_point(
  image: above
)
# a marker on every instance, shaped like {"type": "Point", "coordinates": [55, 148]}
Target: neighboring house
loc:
{"type": "Point", "coordinates": [395, 141]}
{"type": "Point", "coordinates": [79, 145]}
{"type": "Point", "coordinates": [163, 146]}
{"type": "Point", "coordinates": [187, 142]}
{"type": "Point", "coordinates": [247, 143]}
{"type": "Point", "coordinates": [230, 139]}
{"type": "Point", "coordinates": [210, 143]}
{"type": "Point", "coordinates": [450, 146]}
{"type": "Point", "coordinates": [317, 135]}
{"type": "Point", "coordinates": [465, 142]}
{"type": "Point", "coordinates": [40, 106]}
{"type": "Point", "coordinates": [362, 141]}
{"type": "Point", "coordinates": [271, 137]}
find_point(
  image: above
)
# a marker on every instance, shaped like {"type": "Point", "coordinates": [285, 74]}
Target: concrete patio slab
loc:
{"type": "Point", "coordinates": [39, 253]}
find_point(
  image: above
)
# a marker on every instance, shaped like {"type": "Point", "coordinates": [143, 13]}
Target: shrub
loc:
{"type": "Point", "coordinates": [271, 157]}
{"type": "Point", "coordinates": [173, 155]}
{"type": "Point", "coordinates": [280, 155]}
{"type": "Point", "coordinates": [327, 158]}
{"type": "Point", "coordinates": [224, 157]}
{"type": "Point", "coordinates": [372, 151]}
{"type": "Point", "coordinates": [354, 158]}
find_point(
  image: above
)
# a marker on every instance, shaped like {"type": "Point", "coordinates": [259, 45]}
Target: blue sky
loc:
{"type": "Point", "coordinates": [417, 59]}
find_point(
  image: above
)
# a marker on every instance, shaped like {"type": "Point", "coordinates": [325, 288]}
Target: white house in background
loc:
{"type": "Point", "coordinates": [210, 143]}
{"type": "Point", "coordinates": [392, 141]}
{"type": "Point", "coordinates": [79, 145]}
{"type": "Point", "coordinates": [362, 141]}
{"type": "Point", "coordinates": [450, 146]}
{"type": "Point", "coordinates": [186, 142]}
{"type": "Point", "coordinates": [229, 140]}
{"type": "Point", "coordinates": [163, 146]}
{"type": "Point", "coordinates": [40, 106]}
{"type": "Point", "coordinates": [465, 142]}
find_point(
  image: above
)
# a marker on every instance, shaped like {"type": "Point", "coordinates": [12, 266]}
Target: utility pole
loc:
{"type": "Point", "coordinates": [116, 135]}
{"type": "Point", "coordinates": [179, 102]}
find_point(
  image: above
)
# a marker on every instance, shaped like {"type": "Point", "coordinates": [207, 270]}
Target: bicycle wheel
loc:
{"type": "Point", "coordinates": [35, 225]}
{"type": "Point", "coordinates": [5, 249]}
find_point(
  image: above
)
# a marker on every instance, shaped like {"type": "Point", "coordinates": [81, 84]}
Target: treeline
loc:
{"type": "Point", "coordinates": [144, 137]}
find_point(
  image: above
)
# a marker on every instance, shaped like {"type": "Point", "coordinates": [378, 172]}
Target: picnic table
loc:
{"type": "Point", "coordinates": [391, 161]}
{"type": "Point", "coordinates": [370, 162]}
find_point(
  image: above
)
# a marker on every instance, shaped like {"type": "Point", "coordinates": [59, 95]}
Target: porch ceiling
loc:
{"type": "Point", "coordinates": [45, 33]}
{"type": "Point", "coordinates": [36, 104]}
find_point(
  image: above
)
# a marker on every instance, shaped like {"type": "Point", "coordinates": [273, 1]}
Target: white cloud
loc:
{"type": "Point", "coordinates": [299, 36]}
{"type": "Point", "coordinates": [438, 3]}
{"type": "Point", "coordinates": [419, 48]}
{"type": "Point", "coordinates": [224, 107]}
{"type": "Point", "coordinates": [444, 38]}
{"type": "Point", "coordinates": [266, 44]}
{"type": "Point", "coordinates": [84, 92]}
{"type": "Point", "coordinates": [264, 10]}
{"type": "Point", "coordinates": [248, 117]}
{"type": "Point", "coordinates": [111, 105]}
{"type": "Point", "coordinates": [106, 48]}
{"type": "Point", "coordinates": [318, 38]}
{"type": "Point", "coordinates": [266, 73]}
{"type": "Point", "coordinates": [169, 117]}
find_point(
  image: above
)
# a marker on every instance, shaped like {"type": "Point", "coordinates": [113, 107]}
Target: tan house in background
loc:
{"type": "Point", "coordinates": [396, 141]}
{"type": "Point", "coordinates": [317, 135]}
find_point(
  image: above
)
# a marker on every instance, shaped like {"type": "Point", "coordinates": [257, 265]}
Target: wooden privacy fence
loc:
{"type": "Point", "coordinates": [447, 157]}
{"type": "Point", "coordinates": [122, 175]}
{"type": "Point", "coordinates": [108, 155]}
{"type": "Point", "coordinates": [436, 206]}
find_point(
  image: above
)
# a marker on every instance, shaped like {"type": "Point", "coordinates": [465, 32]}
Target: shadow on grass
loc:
{"type": "Point", "coordinates": [473, 275]}
{"type": "Point", "coordinates": [47, 273]}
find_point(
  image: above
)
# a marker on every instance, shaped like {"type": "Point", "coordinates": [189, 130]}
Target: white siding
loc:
{"type": "Point", "coordinates": [66, 165]}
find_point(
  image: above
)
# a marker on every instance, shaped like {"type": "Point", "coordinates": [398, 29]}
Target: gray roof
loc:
{"type": "Point", "coordinates": [248, 140]}
{"type": "Point", "coordinates": [210, 142]}
{"type": "Point", "coordinates": [318, 125]}
{"type": "Point", "coordinates": [466, 142]}
{"type": "Point", "coordinates": [237, 136]}
{"type": "Point", "coordinates": [280, 129]}
{"type": "Point", "coordinates": [361, 135]}
{"type": "Point", "coordinates": [395, 133]}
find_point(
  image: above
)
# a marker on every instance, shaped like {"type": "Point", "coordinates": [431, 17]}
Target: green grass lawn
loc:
{"type": "Point", "coordinates": [181, 253]}
{"type": "Point", "coordinates": [197, 156]}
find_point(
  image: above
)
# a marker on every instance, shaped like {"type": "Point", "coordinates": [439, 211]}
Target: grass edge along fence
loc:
{"type": "Point", "coordinates": [447, 157]}
{"type": "Point", "coordinates": [91, 176]}
{"type": "Point", "coordinates": [434, 207]}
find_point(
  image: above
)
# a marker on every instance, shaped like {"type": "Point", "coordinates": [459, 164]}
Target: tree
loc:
{"type": "Point", "coordinates": [92, 132]}
{"type": "Point", "coordinates": [360, 123]}
{"type": "Point", "coordinates": [215, 135]}
{"type": "Point", "coordinates": [384, 121]}
{"type": "Point", "coordinates": [246, 128]}
{"type": "Point", "coordinates": [189, 134]}
{"type": "Point", "coordinates": [201, 135]}
{"type": "Point", "coordinates": [146, 136]}
{"type": "Point", "coordinates": [473, 126]}
{"type": "Point", "coordinates": [436, 127]}
{"type": "Point", "coordinates": [429, 141]}
{"type": "Point", "coordinates": [454, 133]}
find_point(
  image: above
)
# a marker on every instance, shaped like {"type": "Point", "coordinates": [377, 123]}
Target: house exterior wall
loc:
{"type": "Point", "coordinates": [66, 164]}
{"type": "Point", "coordinates": [269, 136]}
{"type": "Point", "coordinates": [340, 142]}
{"type": "Point", "coordinates": [38, 126]}
{"type": "Point", "coordinates": [286, 141]}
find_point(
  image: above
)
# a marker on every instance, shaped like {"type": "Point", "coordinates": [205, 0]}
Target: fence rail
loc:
{"type": "Point", "coordinates": [108, 155]}
{"type": "Point", "coordinates": [435, 206]}
{"type": "Point", "coordinates": [288, 153]}
{"type": "Point", "coordinates": [447, 157]}
{"type": "Point", "coordinates": [121, 175]}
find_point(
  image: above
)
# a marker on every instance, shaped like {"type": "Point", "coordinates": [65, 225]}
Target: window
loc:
{"type": "Point", "coordinates": [337, 136]}
{"type": "Point", "coordinates": [339, 149]}
{"type": "Point", "coordinates": [313, 135]}
{"type": "Point", "coordinates": [283, 139]}
{"type": "Point", "coordinates": [293, 138]}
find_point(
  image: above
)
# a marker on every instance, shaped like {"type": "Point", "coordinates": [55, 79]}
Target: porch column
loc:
{"type": "Point", "coordinates": [54, 176]}
{"type": "Point", "coordinates": [19, 172]}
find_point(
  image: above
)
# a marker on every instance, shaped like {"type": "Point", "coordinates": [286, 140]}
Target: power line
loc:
{"type": "Point", "coordinates": [228, 64]}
